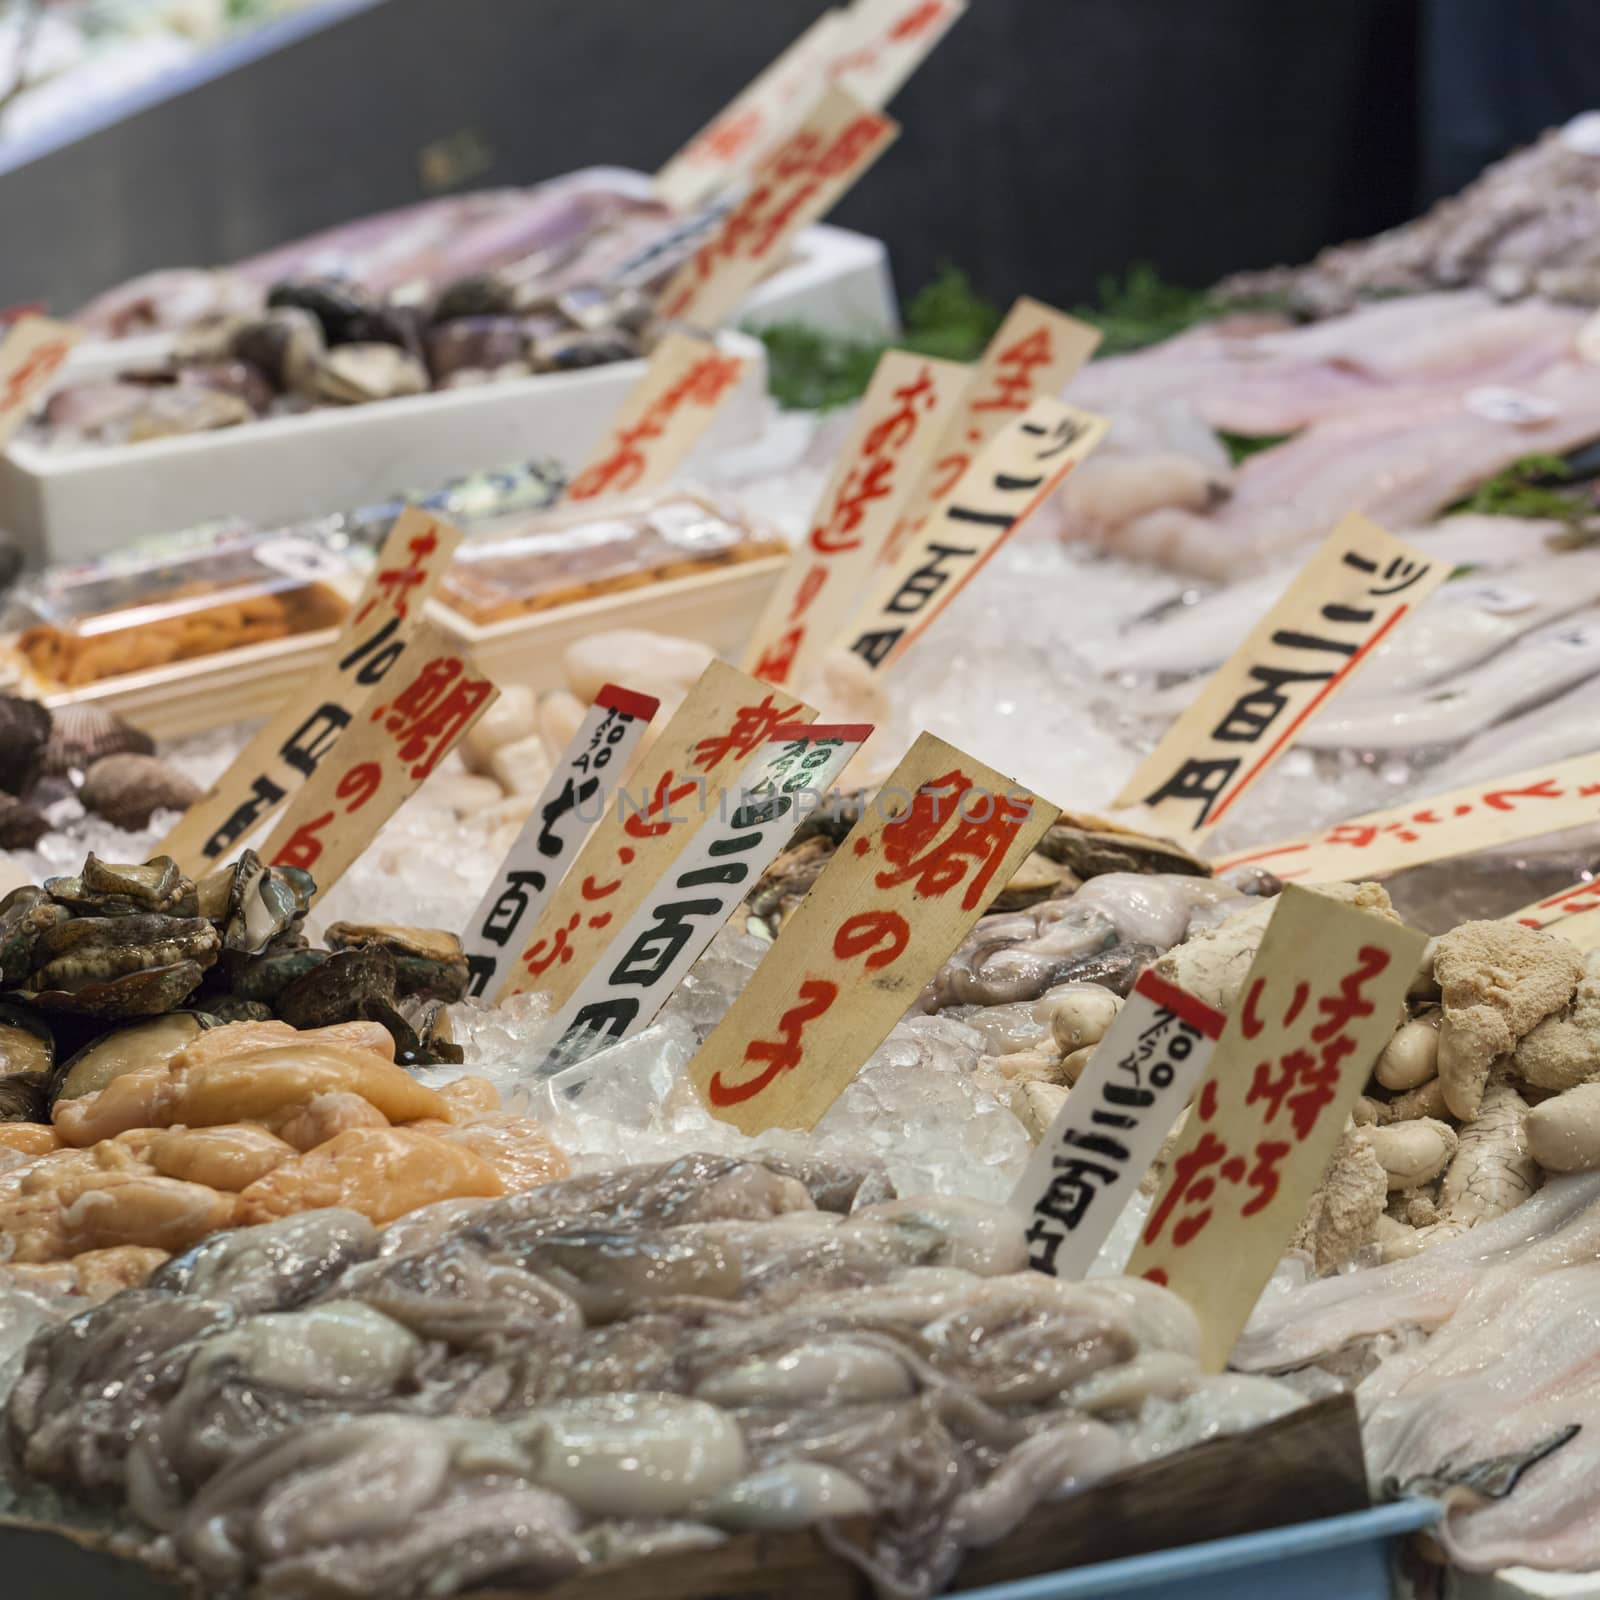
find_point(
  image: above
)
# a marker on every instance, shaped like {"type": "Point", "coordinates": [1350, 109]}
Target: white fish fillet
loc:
{"type": "Point", "coordinates": [1544, 663]}
{"type": "Point", "coordinates": [1399, 461]}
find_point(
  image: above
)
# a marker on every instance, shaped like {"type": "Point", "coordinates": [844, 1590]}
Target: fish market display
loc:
{"type": "Point", "coordinates": [514, 1391]}
{"type": "Point", "coordinates": [1529, 225]}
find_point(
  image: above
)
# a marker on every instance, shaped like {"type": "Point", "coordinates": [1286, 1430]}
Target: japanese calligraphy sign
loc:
{"type": "Point", "coordinates": [572, 801]}
{"type": "Point", "coordinates": [944, 835]}
{"type": "Point", "coordinates": [1012, 478]}
{"type": "Point", "coordinates": [1033, 352]}
{"type": "Point", "coordinates": [1318, 1004]}
{"type": "Point", "coordinates": [1574, 914]}
{"type": "Point", "coordinates": [398, 735]}
{"type": "Point", "coordinates": [886, 41]}
{"type": "Point", "coordinates": [1350, 596]}
{"type": "Point", "coordinates": [1564, 794]}
{"type": "Point", "coordinates": [739, 135]}
{"type": "Point", "coordinates": [1089, 1164]}
{"type": "Point", "coordinates": [900, 419]}
{"type": "Point", "coordinates": [726, 717]}
{"type": "Point", "coordinates": [30, 354]}
{"type": "Point", "coordinates": [802, 178]}
{"type": "Point", "coordinates": [288, 749]}
{"type": "Point", "coordinates": [655, 948]}
{"type": "Point", "coordinates": [662, 418]}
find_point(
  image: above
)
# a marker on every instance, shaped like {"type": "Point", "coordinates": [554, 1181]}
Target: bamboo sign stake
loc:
{"type": "Point", "coordinates": [1318, 1004]}
{"type": "Point", "coordinates": [654, 950]}
{"type": "Point", "coordinates": [891, 905]}
{"type": "Point", "coordinates": [1359, 586]}
{"type": "Point", "coordinates": [662, 418]}
{"type": "Point", "coordinates": [30, 355]}
{"type": "Point", "coordinates": [1035, 351]}
{"type": "Point", "coordinates": [907, 404]}
{"type": "Point", "coordinates": [726, 717]}
{"type": "Point", "coordinates": [398, 735]}
{"type": "Point", "coordinates": [289, 748]}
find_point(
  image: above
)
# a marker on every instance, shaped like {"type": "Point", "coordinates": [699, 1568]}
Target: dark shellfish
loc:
{"type": "Point", "coordinates": [24, 735]}
{"type": "Point", "coordinates": [80, 735]}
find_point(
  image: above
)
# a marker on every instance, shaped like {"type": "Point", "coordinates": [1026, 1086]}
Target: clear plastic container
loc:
{"type": "Point", "coordinates": [578, 554]}
{"type": "Point", "coordinates": [148, 609]}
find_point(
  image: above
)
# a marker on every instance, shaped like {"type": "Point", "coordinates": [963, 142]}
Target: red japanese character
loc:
{"type": "Point", "coordinates": [432, 711]}
{"type": "Point", "coordinates": [613, 473]}
{"type": "Point", "coordinates": [639, 824]}
{"type": "Point", "coordinates": [752, 727]}
{"type": "Point", "coordinates": [805, 595]}
{"type": "Point", "coordinates": [776, 662]}
{"type": "Point", "coordinates": [1013, 378]}
{"type": "Point", "coordinates": [885, 933]}
{"type": "Point", "coordinates": [34, 368]}
{"type": "Point", "coordinates": [1263, 1176]}
{"type": "Point", "coordinates": [870, 480]}
{"type": "Point", "coordinates": [558, 953]}
{"type": "Point", "coordinates": [1348, 1003]}
{"type": "Point", "coordinates": [1301, 1083]}
{"type": "Point", "coordinates": [1501, 799]}
{"type": "Point", "coordinates": [1358, 834]}
{"type": "Point", "coordinates": [916, 852]}
{"type": "Point", "coordinates": [815, 997]}
{"type": "Point", "coordinates": [897, 429]}
{"type": "Point", "coordinates": [945, 474]}
{"type": "Point", "coordinates": [395, 584]}
{"type": "Point", "coordinates": [1187, 1186]}
{"type": "Point", "coordinates": [727, 136]}
{"type": "Point", "coordinates": [590, 890]}
{"type": "Point", "coordinates": [704, 384]}
{"type": "Point", "coordinates": [1250, 1024]}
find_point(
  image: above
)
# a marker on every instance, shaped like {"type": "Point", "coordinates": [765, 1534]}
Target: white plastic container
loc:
{"type": "Point", "coordinates": [68, 505]}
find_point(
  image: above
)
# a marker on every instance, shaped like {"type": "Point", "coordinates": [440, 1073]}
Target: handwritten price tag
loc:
{"type": "Point", "coordinates": [729, 146]}
{"type": "Point", "coordinates": [1016, 473]}
{"type": "Point", "coordinates": [662, 940]}
{"type": "Point", "coordinates": [801, 180]}
{"type": "Point", "coordinates": [900, 420]}
{"type": "Point", "coordinates": [722, 722]}
{"type": "Point", "coordinates": [570, 804]}
{"type": "Point", "coordinates": [1035, 351]}
{"type": "Point", "coordinates": [30, 355]}
{"type": "Point", "coordinates": [400, 733]}
{"type": "Point", "coordinates": [666, 412]}
{"type": "Point", "coordinates": [1574, 914]}
{"type": "Point", "coordinates": [891, 905]}
{"type": "Point", "coordinates": [1358, 587]}
{"type": "Point", "coordinates": [290, 747]}
{"type": "Point", "coordinates": [1088, 1166]}
{"type": "Point", "coordinates": [886, 42]}
{"type": "Point", "coordinates": [1319, 1003]}
{"type": "Point", "coordinates": [1540, 800]}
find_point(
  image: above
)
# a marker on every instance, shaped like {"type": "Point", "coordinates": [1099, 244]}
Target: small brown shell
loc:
{"type": "Point", "coordinates": [80, 735]}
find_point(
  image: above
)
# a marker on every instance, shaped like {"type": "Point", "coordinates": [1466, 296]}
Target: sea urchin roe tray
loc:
{"type": "Point", "coordinates": [578, 555]}
{"type": "Point", "coordinates": [78, 626]}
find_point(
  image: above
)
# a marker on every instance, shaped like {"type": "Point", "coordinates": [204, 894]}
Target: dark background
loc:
{"type": "Point", "coordinates": [1046, 142]}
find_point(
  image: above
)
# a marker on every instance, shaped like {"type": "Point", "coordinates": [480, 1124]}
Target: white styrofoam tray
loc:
{"type": "Point", "coordinates": [68, 505]}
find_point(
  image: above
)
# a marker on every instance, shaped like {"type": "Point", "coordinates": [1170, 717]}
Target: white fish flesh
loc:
{"type": "Point", "coordinates": [1555, 731]}
{"type": "Point", "coordinates": [1399, 461]}
{"type": "Point", "coordinates": [1549, 660]}
{"type": "Point", "coordinates": [1204, 630]}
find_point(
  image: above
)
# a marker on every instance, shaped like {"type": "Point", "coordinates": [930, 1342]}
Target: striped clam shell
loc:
{"type": "Point", "coordinates": [80, 735]}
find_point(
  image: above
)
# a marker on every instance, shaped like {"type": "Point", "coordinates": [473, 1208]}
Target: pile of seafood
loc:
{"type": "Point", "coordinates": [329, 342]}
{"type": "Point", "coordinates": [162, 1134]}
{"type": "Point", "coordinates": [513, 1391]}
{"type": "Point", "coordinates": [80, 752]}
{"type": "Point", "coordinates": [1530, 224]}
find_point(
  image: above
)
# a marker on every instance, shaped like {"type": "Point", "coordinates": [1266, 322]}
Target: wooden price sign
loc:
{"type": "Point", "coordinates": [570, 804]}
{"type": "Point", "coordinates": [1318, 1004]}
{"type": "Point", "coordinates": [289, 748]}
{"type": "Point", "coordinates": [1088, 1166]}
{"type": "Point", "coordinates": [726, 717]}
{"type": "Point", "coordinates": [662, 418]}
{"type": "Point", "coordinates": [896, 899]}
{"type": "Point", "coordinates": [1016, 473]}
{"type": "Point", "coordinates": [1035, 351]}
{"type": "Point", "coordinates": [1565, 794]}
{"type": "Point", "coordinates": [739, 135]}
{"type": "Point", "coordinates": [1350, 596]}
{"type": "Point", "coordinates": [30, 354]}
{"type": "Point", "coordinates": [886, 41]}
{"type": "Point", "coordinates": [801, 180]}
{"type": "Point", "coordinates": [654, 950]}
{"type": "Point", "coordinates": [1574, 914]}
{"type": "Point", "coordinates": [902, 415]}
{"type": "Point", "coordinates": [399, 734]}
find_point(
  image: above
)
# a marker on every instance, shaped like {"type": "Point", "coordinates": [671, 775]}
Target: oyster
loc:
{"type": "Point", "coordinates": [1088, 846]}
{"type": "Point", "coordinates": [339, 989]}
{"type": "Point", "coordinates": [25, 914]}
{"type": "Point", "coordinates": [158, 885]}
{"type": "Point", "coordinates": [261, 906]}
{"type": "Point", "coordinates": [27, 1046]}
{"type": "Point", "coordinates": [285, 345]}
{"type": "Point", "coordinates": [428, 962]}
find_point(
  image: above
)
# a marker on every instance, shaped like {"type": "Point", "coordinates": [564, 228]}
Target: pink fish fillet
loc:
{"type": "Point", "coordinates": [1402, 460]}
